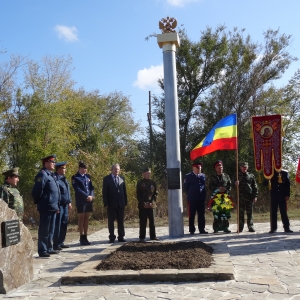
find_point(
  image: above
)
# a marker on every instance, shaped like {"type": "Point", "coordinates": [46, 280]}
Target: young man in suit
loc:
{"type": "Point", "coordinates": [115, 199]}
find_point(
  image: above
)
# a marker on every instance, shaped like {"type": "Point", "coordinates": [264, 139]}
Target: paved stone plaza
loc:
{"type": "Point", "coordinates": [265, 267]}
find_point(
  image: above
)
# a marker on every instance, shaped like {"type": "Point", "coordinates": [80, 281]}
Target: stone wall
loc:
{"type": "Point", "coordinates": [16, 261]}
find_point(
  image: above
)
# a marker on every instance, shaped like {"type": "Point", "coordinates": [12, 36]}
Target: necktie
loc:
{"type": "Point", "coordinates": [116, 181]}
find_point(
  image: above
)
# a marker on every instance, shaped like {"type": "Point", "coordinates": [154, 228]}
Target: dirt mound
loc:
{"type": "Point", "coordinates": [156, 255]}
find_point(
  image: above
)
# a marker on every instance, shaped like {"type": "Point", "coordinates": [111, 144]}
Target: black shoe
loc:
{"type": "Point", "coordinates": [142, 240]}
{"type": "Point", "coordinates": [64, 246]}
{"type": "Point", "coordinates": [111, 241]}
{"type": "Point", "coordinates": [122, 240]}
{"type": "Point", "coordinates": [215, 231]}
{"type": "Point", "coordinates": [273, 231]}
{"type": "Point", "coordinates": [251, 229]}
{"type": "Point", "coordinates": [82, 241]}
{"type": "Point", "coordinates": [53, 252]}
{"type": "Point", "coordinates": [44, 254]}
{"type": "Point", "coordinates": [154, 239]}
{"type": "Point", "coordinates": [57, 248]}
{"type": "Point", "coordinates": [203, 232]}
{"type": "Point", "coordinates": [288, 230]}
{"type": "Point", "coordinates": [192, 233]}
{"type": "Point", "coordinates": [86, 240]}
{"type": "Point", "coordinates": [226, 231]}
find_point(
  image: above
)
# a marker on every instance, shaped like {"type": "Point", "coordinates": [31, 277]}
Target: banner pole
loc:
{"type": "Point", "coordinates": [237, 193]}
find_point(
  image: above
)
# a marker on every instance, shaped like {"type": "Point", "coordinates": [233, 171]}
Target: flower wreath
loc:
{"type": "Point", "coordinates": [221, 205]}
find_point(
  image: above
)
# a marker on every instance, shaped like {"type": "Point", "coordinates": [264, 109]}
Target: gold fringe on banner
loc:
{"type": "Point", "coordinates": [270, 187]}
{"type": "Point", "coordinates": [259, 178]}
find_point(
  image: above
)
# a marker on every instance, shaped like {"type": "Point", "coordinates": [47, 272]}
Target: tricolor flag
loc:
{"type": "Point", "coordinates": [223, 136]}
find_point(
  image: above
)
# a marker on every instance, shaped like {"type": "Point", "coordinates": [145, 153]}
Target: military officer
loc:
{"type": "Point", "coordinates": [220, 182]}
{"type": "Point", "coordinates": [65, 204]}
{"type": "Point", "coordinates": [146, 193]}
{"type": "Point", "coordinates": [9, 192]}
{"type": "Point", "coordinates": [46, 194]}
{"type": "Point", "coordinates": [248, 192]}
{"type": "Point", "coordinates": [280, 194]}
{"type": "Point", "coordinates": [194, 186]}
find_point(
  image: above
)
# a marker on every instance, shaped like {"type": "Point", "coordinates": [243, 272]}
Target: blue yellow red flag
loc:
{"type": "Point", "coordinates": [223, 136]}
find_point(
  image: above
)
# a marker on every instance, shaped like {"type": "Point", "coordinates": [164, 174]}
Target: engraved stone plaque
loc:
{"type": "Point", "coordinates": [10, 231]}
{"type": "Point", "coordinates": [173, 178]}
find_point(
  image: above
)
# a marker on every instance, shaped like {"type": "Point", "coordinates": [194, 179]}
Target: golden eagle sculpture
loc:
{"type": "Point", "coordinates": [167, 25]}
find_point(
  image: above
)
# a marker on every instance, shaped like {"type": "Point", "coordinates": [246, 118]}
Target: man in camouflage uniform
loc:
{"type": "Point", "coordinates": [247, 196]}
{"type": "Point", "coordinates": [146, 193]}
{"type": "Point", "coordinates": [221, 182]}
{"type": "Point", "coordinates": [9, 192]}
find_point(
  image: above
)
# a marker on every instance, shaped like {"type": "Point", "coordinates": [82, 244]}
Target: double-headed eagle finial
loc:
{"type": "Point", "coordinates": [167, 25]}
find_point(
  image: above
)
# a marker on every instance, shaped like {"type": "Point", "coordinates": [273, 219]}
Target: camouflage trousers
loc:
{"type": "Point", "coordinates": [245, 204]}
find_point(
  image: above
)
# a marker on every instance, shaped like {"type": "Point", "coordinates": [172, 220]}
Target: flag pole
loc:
{"type": "Point", "coordinates": [237, 191]}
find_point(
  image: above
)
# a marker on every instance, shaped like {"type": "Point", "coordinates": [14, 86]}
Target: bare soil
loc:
{"type": "Point", "coordinates": [156, 255]}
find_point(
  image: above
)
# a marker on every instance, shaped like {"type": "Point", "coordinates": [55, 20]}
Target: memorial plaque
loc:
{"type": "Point", "coordinates": [173, 178]}
{"type": "Point", "coordinates": [10, 231]}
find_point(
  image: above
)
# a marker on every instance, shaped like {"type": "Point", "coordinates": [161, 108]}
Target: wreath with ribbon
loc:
{"type": "Point", "coordinates": [221, 205]}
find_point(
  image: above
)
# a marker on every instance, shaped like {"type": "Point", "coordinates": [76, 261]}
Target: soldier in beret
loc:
{"type": "Point", "coordinates": [61, 222]}
{"type": "Point", "coordinates": [248, 192]}
{"type": "Point", "coordinates": [9, 192]}
{"type": "Point", "coordinates": [46, 194]}
{"type": "Point", "coordinates": [194, 186]}
{"type": "Point", "coordinates": [220, 182]}
{"type": "Point", "coordinates": [146, 193]}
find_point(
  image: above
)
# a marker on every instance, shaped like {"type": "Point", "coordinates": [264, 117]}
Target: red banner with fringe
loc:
{"type": "Point", "coordinates": [267, 144]}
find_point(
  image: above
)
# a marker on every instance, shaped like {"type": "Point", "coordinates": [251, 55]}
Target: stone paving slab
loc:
{"type": "Point", "coordinates": [266, 266]}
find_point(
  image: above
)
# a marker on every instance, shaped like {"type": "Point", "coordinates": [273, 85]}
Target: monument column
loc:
{"type": "Point", "coordinates": [168, 41]}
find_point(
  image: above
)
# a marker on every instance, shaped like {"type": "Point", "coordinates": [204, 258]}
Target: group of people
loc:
{"type": "Point", "coordinates": [51, 194]}
{"type": "Point", "coordinates": [220, 183]}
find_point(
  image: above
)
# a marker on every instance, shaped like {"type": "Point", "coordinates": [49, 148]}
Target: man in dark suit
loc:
{"type": "Point", "coordinates": [115, 199]}
{"type": "Point", "coordinates": [280, 194]}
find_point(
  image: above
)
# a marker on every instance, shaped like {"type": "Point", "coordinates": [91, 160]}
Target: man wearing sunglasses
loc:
{"type": "Point", "coordinates": [46, 194]}
{"type": "Point", "coordinates": [194, 186]}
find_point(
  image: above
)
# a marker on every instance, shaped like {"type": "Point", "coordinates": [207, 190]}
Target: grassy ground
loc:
{"type": "Point", "coordinates": [94, 225]}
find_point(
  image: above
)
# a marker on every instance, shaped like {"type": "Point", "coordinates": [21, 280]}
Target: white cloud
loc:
{"type": "Point", "coordinates": [68, 34]}
{"type": "Point", "coordinates": [180, 2]}
{"type": "Point", "coordinates": [147, 78]}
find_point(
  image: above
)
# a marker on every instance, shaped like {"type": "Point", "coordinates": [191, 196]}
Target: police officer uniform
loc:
{"type": "Point", "coordinates": [194, 186]}
{"type": "Point", "coordinates": [61, 222]}
{"type": "Point", "coordinates": [280, 191]}
{"type": "Point", "coordinates": [248, 191]}
{"type": "Point", "coordinates": [11, 195]}
{"type": "Point", "coordinates": [46, 194]}
{"type": "Point", "coordinates": [146, 192]}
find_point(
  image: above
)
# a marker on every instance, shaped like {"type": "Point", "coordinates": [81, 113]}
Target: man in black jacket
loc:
{"type": "Point", "coordinates": [280, 194]}
{"type": "Point", "coordinates": [115, 199]}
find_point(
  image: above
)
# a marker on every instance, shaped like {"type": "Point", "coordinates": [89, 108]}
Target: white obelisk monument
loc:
{"type": "Point", "coordinates": [168, 41]}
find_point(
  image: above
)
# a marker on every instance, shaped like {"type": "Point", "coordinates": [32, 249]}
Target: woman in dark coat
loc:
{"type": "Point", "coordinates": [84, 196]}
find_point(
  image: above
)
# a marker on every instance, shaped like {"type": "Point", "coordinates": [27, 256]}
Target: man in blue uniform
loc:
{"type": "Point", "coordinates": [280, 194]}
{"type": "Point", "coordinates": [194, 186]}
{"type": "Point", "coordinates": [46, 195]}
{"type": "Point", "coordinates": [61, 222]}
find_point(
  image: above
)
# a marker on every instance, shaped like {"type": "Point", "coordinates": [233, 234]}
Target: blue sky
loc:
{"type": "Point", "coordinates": [106, 39]}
